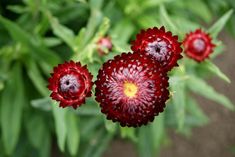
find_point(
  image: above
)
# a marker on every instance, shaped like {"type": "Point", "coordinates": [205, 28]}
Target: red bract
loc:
{"type": "Point", "coordinates": [70, 84]}
{"type": "Point", "coordinates": [131, 89]}
{"type": "Point", "coordinates": [161, 45]}
{"type": "Point", "coordinates": [198, 45]}
{"type": "Point", "coordinates": [104, 45]}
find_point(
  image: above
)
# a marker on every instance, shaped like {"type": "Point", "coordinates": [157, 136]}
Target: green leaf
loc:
{"type": "Point", "coordinates": [85, 49]}
{"type": "Point", "coordinates": [62, 32]}
{"type": "Point", "coordinates": [37, 49]}
{"type": "Point", "coordinates": [1, 85]}
{"type": "Point", "coordinates": [79, 39]}
{"type": "Point", "coordinates": [86, 53]}
{"type": "Point", "coordinates": [153, 3]}
{"type": "Point", "coordinates": [110, 126]}
{"type": "Point", "coordinates": [120, 34]}
{"type": "Point", "coordinates": [38, 134]}
{"type": "Point", "coordinates": [199, 8]}
{"type": "Point", "coordinates": [73, 133]}
{"type": "Point", "coordinates": [197, 117]}
{"type": "Point", "coordinates": [15, 31]}
{"type": "Point", "coordinates": [36, 77]}
{"type": "Point", "coordinates": [215, 70]}
{"type": "Point", "coordinates": [103, 28]}
{"type": "Point", "coordinates": [11, 109]}
{"type": "Point", "coordinates": [201, 87]}
{"type": "Point", "coordinates": [97, 144]}
{"type": "Point", "coordinates": [186, 25]}
{"type": "Point", "coordinates": [96, 4]}
{"type": "Point", "coordinates": [103, 144]}
{"type": "Point", "coordinates": [146, 21]}
{"type": "Point", "coordinates": [145, 142]}
{"type": "Point", "coordinates": [91, 108]}
{"type": "Point", "coordinates": [166, 19]}
{"type": "Point", "coordinates": [158, 132]}
{"type": "Point", "coordinates": [219, 49]}
{"type": "Point", "coordinates": [94, 20]}
{"type": "Point", "coordinates": [60, 125]}
{"type": "Point", "coordinates": [129, 133]}
{"type": "Point", "coordinates": [82, 1]}
{"type": "Point", "coordinates": [219, 24]}
{"type": "Point", "coordinates": [19, 9]}
{"type": "Point", "coordinates": [178, 99]}
{"type": "Point", "coordinates": [43, 103]}
{"type": "Point", "coordinates": [52, 42]}
{"type": "Point", "coordinates": [88, 126]}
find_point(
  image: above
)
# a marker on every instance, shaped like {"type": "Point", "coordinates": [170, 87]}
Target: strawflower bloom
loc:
{"type": "Point", "coordinates": [198, 45]}
{"type": "Point", "coordinates": [70, 84]}
{"type": "Point", "coordinates": [131, 89]}
{"type": "Point", "coordinates": [159, 44]}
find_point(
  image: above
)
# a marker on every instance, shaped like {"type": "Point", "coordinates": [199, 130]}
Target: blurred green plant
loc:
{"type": "Point", "coordinates": [36, 35]}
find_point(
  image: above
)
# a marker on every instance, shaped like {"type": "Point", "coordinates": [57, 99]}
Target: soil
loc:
{"type": "Point", "coordinates": [217, 138]}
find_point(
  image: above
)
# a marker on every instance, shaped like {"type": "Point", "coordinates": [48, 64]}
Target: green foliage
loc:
{"type": "Point", "coordinates": [145, 142]}
{"type": "Point", "coordinates": [217, 27]}
{"type": "Point", "coordinates": [11, 109]}
{"type": "Point", "coordinates": [201, 87]}
{"type": "Point", "coordinates": [73, 134]}
{"type": "Point", "coordinates": [38, 134]}
{"type": "Point", "coordinates": [60, 125]}
{"type": "Point", "coordinates": [37, 35]}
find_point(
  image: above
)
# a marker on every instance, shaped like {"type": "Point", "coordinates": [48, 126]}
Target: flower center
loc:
{"type": "Point", "coordinates": [130, 89]}
{"type": "Point", "coordinates": [69, 83]}
{"type": "Point", "coordinates": [199, 45]}
{"type": "Point", "coordinates": [159, 49]}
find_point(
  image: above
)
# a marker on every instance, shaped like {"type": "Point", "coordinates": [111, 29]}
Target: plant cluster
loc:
{"type": "Point", "coordinates": [130, 88]}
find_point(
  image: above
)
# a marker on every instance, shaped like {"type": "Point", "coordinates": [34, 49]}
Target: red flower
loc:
{"type": "Point", "coordinates": [198, 45]}
{"type": "Point", "coordinates": [70, 84]}
{"type": "Point", "coordinates": [131, 89]}
{"type": "Point", "coordinates": [159, 44]}
{"type": "Point", "coordinates": [104, 45]}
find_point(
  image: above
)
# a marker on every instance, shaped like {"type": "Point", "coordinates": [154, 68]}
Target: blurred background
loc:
{"type": "Point", "coordinates": [36, 35]}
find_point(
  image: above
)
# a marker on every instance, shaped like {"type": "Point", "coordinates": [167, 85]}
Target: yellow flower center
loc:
{"type": "Point", "coordinates": [130, 89]}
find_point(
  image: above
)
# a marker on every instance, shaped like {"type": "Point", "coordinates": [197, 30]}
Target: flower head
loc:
{"type": "Point", "coordinates": [160, 44]}
{"type": "Point", "coordinates": [198, 45]}
{"type": "Point", "coordinates": [131, 89]}
{"type": "Point", "coordinates": [104, 45]}
{"type": "Point", "coordinates": [70, 84]}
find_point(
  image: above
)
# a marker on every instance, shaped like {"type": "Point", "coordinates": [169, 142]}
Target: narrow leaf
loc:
{"type": "Point", "coordinates": [129, 133]}
{"type": "Point", "coordinates": [38, 50]}
{"type": "Point", "coordinates": [178, 100]}
{"type": "Point", "coordinates": [38, 134]}
{"type": "Point", "coordinates": [61, 31]}
{"type": "Point", "coordinates": [219, 25]}
{"type": "Point", "coordinates": [11, 109]}
{"type": "Point", "coordinates": [145, 142]}
{"type": "Point", "coordinates": [97, 144]}
{"type": "Point", "coordinates": [43, 103]}
{"type": "Point", "coordinates": [110, 126]}
{"type": "Point", "coordinates": [215, 70]}
{"type": "Point", "coordinates": [199, 8]}
{"type": "Point", "coordinates": [52, 42]}
{"type": "Point", "coordinates": [158, 132]}
{"type": "Point", "coordinates": [60, 125]}
{"type": "Point", "coordinates": [36, 77]}
{"type": "Point", "coordinates": [103, 144]}
{"type": "Point", "coordinates": [73, 134]}
{"type": "Point", "coordinates": [201, 87]}
{"type": "Point", "coordinates": [91, 108]}
{"type": "Point", "coordinates": [197, 115]}
{"type": "Point", "coordinates": [167, 20]}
